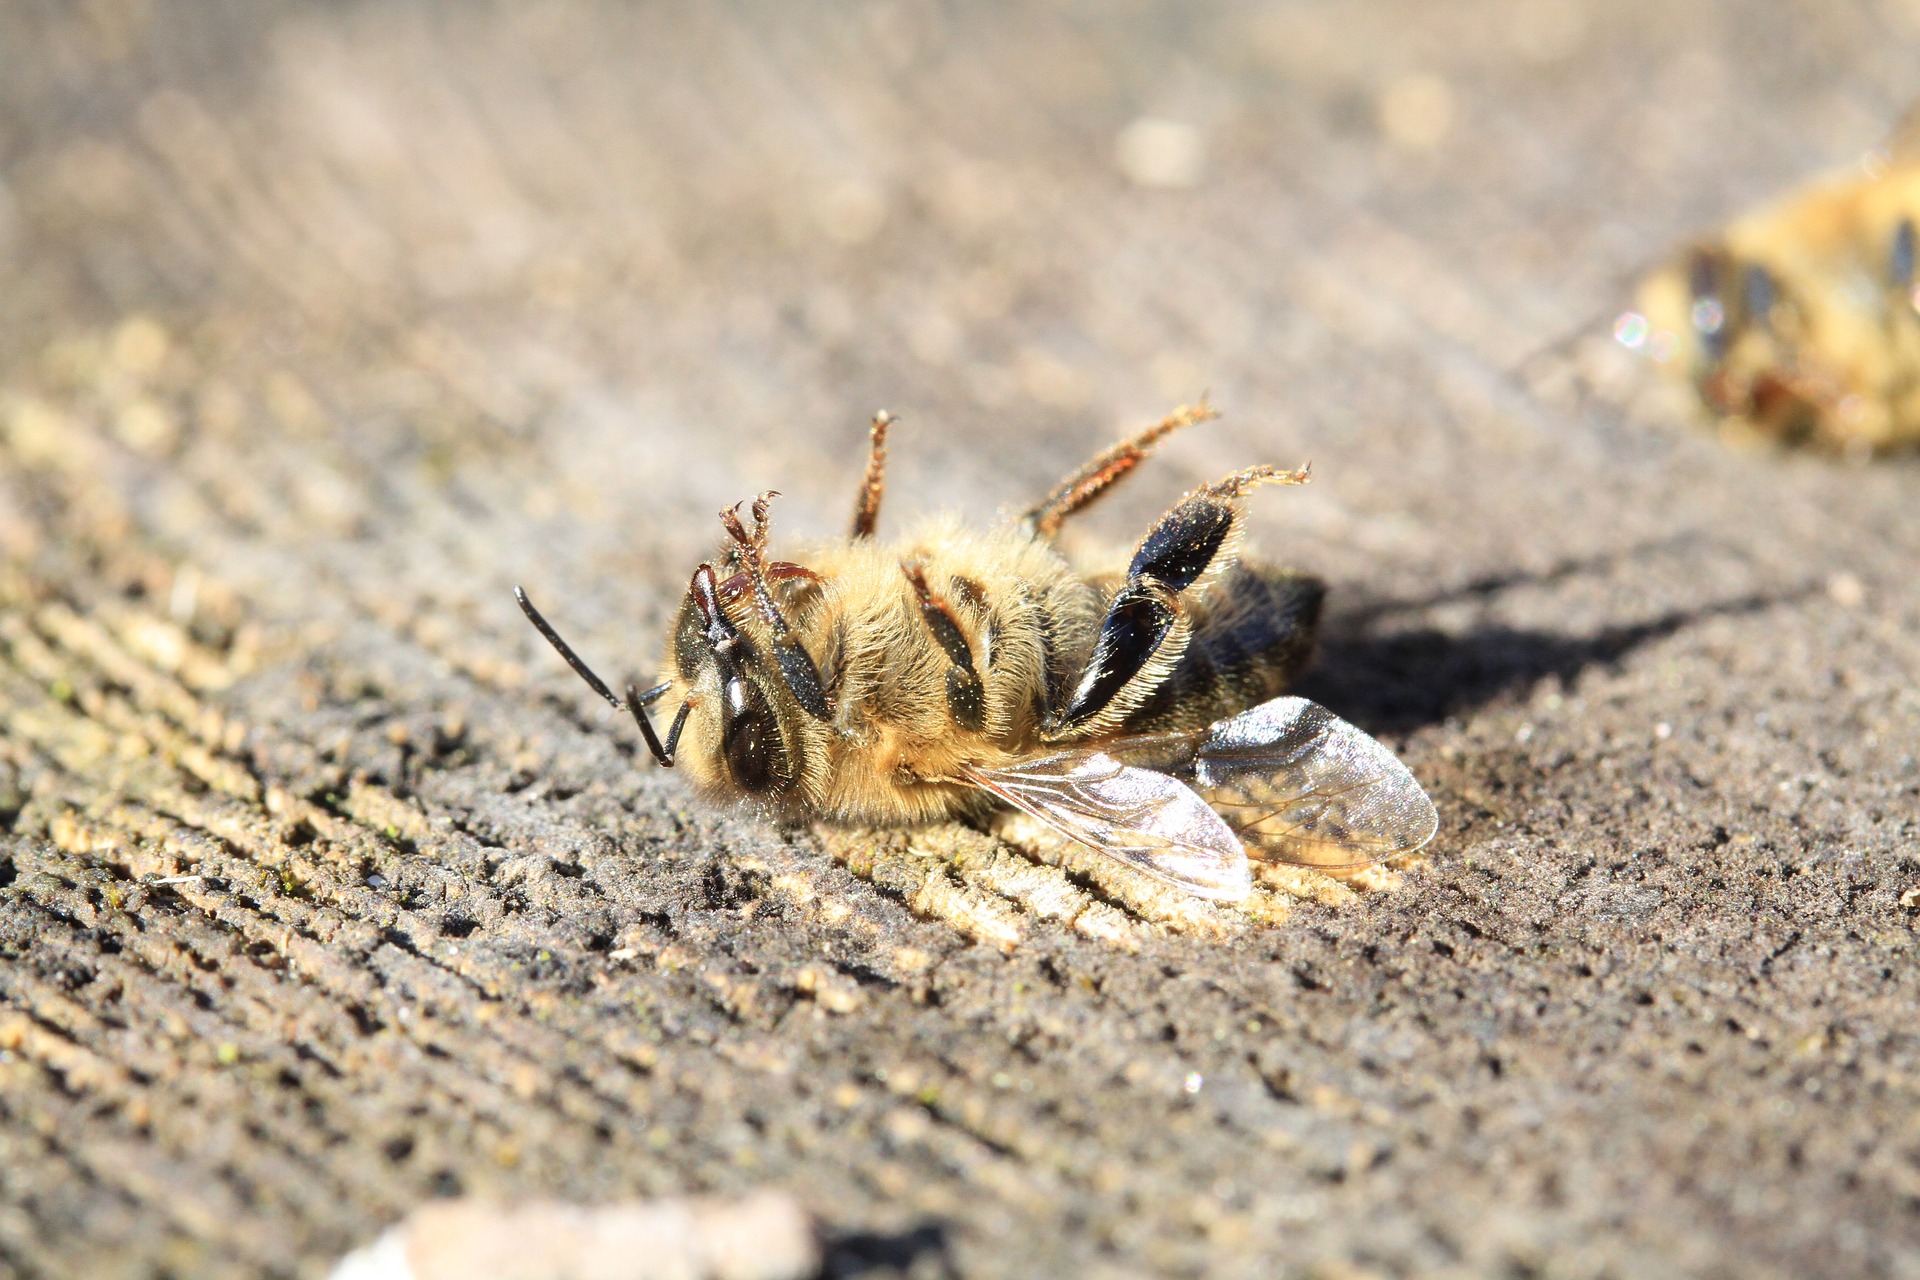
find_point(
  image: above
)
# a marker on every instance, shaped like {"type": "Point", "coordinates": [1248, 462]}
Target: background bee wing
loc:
{"type": "Point", "coordinates": [1151, 822]}
{"type": "Point", "coordinates": [1299, 784]}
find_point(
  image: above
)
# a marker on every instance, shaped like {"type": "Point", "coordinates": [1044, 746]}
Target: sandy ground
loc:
{"type": "Point", "coordinates": [322, 325]}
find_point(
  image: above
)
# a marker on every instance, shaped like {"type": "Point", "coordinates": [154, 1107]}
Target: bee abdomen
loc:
{"type": "Point", "coordinates": [1252, 634]}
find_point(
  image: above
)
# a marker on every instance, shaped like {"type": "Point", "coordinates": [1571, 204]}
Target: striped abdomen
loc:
{"type": "Point", "coordinates": [1252, 634]}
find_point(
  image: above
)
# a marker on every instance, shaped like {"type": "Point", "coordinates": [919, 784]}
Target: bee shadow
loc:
{"type": "Point", "coordinates": [1401, 679]}
{"type": "Point", "coordinates": [923, 1252]}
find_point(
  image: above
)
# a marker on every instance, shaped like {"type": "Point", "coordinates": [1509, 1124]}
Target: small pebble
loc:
{"type": "Point", "coordinates": [766, 1236]}
{"type": "Point", "coordinates": [1160, 153]}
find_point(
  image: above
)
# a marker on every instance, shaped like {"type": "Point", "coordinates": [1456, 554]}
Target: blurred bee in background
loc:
{"type": "Point", "coordinates": [1801, 320]}
{"type": "Point", "coordinates": [959, 671]}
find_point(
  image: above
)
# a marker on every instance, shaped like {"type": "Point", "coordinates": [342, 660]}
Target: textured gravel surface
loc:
{"type": "Point", "coordinates": [327, 890]}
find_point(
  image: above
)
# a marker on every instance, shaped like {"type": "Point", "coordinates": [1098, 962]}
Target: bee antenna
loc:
{"type": "Point", "coordinates": [636, 701]}
{"type": "Point", "coordinates": [565, 650]}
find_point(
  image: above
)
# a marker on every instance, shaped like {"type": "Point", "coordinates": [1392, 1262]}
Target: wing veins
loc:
{"type": "Point", "coordinates": [1147, 820]}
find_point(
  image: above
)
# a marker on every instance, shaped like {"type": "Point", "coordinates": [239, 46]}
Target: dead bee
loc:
{"type": "Point", "coordinates": [1801, 320]}
{"type": "Point", "coordinates": [935, 679]}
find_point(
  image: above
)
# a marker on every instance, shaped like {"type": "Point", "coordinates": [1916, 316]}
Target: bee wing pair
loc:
{"type": "Point", "coordinates": [1287, 781]}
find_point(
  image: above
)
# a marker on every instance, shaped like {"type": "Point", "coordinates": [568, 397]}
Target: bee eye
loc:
{"type": "Point", "coordinates": [750, 738]}
{"type": "Point", "coordinates": [1901, 261]}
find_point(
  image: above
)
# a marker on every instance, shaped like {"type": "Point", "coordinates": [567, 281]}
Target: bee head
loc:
{"type": "Point", "coordinates": [743, 735]}
{"type": "Point", "coordinates": [1735, 329]}
{"type": "Point", "coordinates": [754, 708]}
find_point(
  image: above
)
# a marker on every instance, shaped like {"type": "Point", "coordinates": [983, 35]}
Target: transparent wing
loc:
{"type": "Point", "coordinates": [1151, 822]}
{"type": "Point", "coordinates": [1298, 784]}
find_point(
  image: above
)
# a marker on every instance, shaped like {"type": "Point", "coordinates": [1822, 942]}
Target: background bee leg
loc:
{"type": "Point", "coordinates": [1105, 469]}
{"type": "Point", "coordinates": [1147, 626]}
{"type": "Point", "coordinates": [866, 504]}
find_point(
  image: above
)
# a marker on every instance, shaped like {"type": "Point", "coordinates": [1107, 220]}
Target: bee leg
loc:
{"type": "Point", "coordinates": [966, 695]}
{"type": "Point", "coordinates": [797, 669]}
{"type": "Point", "coordinates": [866, 505]}
{"type": "Point", "coordinates": [1105, 469]}
{"type": "Point", "coordinates": [1147, 627]}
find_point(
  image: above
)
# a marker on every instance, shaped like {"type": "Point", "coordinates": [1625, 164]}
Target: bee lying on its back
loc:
{"type": "Point", "coordinates": [1801, 320]}
{"type": "Point", "coordinates": [934, 679]}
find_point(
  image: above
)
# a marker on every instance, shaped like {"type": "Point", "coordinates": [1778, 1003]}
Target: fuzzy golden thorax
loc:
{"type": "Point", "coordinates": [875, 619]}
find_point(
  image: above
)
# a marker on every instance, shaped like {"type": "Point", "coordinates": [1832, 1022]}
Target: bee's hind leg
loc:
{"type": "Point", "coordinates": [1147, 627]}
{"type": "Point", "coordinates": [1105, 469]}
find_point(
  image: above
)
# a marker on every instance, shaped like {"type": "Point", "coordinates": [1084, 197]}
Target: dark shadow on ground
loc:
{"type": "Point", "coordinates": [1691, 543]}
{"type": "Point", "coordinates": [921, 1253]}
{"type": "Point", "coordinates": [1397, 681]}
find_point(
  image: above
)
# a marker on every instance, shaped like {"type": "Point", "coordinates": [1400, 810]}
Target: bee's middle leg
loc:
{"type": "Point", "coordinates": [966, 694]}
{"type": "Point", "coordinates": [1147, 627]}
{"type": "Point", "coordinates": [873, 485]}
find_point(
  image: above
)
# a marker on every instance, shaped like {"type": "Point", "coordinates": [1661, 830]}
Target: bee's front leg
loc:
{"type": "Point", "coordinates": [798, 671]}
{"type": "Point", "coordinates": [1146, 628]}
